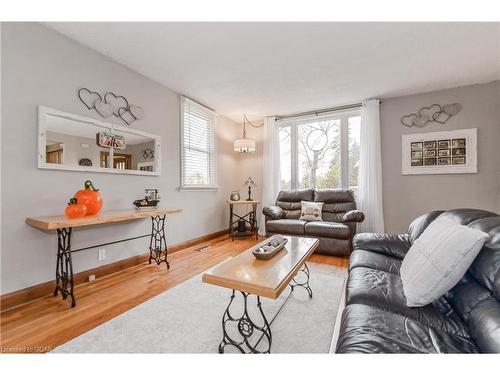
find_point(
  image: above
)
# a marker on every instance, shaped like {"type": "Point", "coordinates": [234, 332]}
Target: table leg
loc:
{"type": "Point", "coordinates": [157, 243]}
{"type": "Point", "coordinates": [254, 220]}
{"type": "Point", "coordinates": [302, 283]}
{"type": "Point", "coordinates": [231, 232]}
{"type": "Point", "coordinates": [248, 334]}
{"type": "Point", "coordinates": [64, 267]}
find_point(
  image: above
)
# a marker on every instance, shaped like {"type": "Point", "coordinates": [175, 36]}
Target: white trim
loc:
{"type": "Point", "coordinates": [42, 134]}
{"type": "Point", "coordinates": [471, 154]}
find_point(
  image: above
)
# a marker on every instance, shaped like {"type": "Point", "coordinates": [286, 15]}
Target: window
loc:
{"type": "Point", "coordinates": [198, 145]}
{"type": "Point", "coordinates": [320, 152]}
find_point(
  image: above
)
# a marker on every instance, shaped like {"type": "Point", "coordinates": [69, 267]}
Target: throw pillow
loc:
{"type": "Point", "coordinates": [438, 259]}
{"type": "Point", "coordinates": [311, 211]}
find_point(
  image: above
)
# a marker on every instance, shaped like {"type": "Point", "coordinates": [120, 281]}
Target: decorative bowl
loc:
{"type": "Point", "coordinates": [267, 250]}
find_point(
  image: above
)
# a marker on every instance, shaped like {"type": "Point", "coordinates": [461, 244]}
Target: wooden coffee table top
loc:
{"type": "Point", "coordinates": [266, 278]}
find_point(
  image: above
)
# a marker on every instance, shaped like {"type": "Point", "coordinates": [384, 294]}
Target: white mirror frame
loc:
{"type": "Point", "coordinates": [42, 134]}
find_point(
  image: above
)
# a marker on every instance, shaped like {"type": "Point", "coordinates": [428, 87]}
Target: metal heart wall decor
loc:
{"type": "Point", "coordinates": [104, 109]}
{"type": "Point", "coordinates": [117, 101]}
{"type": "Point", "coordinates": [126, 115]}
{"type": "Point", "coordinates": [111, 104]}
{"type": "Point", "coordinates": [88, 97]}
{"type": "Point", "coordinates": [433, 113]}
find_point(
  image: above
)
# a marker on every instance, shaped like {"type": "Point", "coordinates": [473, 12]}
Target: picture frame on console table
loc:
{"type": "Point", "coordinates": [445, 152]}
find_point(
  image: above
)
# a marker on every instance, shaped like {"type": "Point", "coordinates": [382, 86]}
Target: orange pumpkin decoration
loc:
{"type": "Point", "coordinates": [90, 197]}
{"type": "Point", "coordinates": [75, 210]}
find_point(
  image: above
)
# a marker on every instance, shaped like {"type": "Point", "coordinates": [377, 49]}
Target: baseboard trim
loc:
{"type": "Point", "coordinates": [19, 297]}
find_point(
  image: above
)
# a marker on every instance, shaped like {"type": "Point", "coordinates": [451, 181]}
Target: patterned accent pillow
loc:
{"type": "Point", "coordinates": [438, 259]}
{"type": "Point", "coordinates": [311, 211]}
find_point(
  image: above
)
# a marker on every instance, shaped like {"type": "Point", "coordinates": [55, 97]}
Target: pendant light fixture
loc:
{"type": "Point", "coordinates": [245, 144]}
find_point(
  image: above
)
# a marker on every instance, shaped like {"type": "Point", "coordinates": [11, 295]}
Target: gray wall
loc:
{"type": "Point", "coordinates": [40, 66]}
{"type": "Point", "coordinates": [405, 197]}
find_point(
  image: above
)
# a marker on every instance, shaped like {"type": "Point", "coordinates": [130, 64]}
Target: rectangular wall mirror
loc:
{"type": "Point", "coordinates": [71, 142]}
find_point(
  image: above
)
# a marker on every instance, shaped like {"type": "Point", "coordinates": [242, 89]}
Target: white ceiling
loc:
{"type": "Point", "coordinates": [281, 68]}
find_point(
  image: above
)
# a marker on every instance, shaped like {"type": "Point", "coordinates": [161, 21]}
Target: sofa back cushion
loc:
{"type": "Point", "coordinates": [476, 298]}
{"type": "Point", "coordinates": [336, 203]}
{"type": "Point", "coordinates": [290, 201]}
{"type": "Point", "coordinates": [418, 225]}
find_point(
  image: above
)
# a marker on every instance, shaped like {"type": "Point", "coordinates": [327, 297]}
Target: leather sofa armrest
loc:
{"type": "Point", "coordinates": [396, 245]}
{"type": "Point", "coordinates": [354, 216]}
{"type": "Point", "coordinates": [273, 212]}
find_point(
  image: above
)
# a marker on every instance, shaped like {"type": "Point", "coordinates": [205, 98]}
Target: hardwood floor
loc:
{"type": "Point", "coordinates": [48, 322]}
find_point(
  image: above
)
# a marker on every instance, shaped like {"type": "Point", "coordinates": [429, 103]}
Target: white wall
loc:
{"type": "Point", "coordinates": [40, 66]}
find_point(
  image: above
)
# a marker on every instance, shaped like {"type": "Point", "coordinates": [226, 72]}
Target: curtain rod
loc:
{"type": "Point", "coordinates": [333, 109]}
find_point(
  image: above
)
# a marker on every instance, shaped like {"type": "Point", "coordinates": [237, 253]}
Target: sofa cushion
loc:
{"type": "Point", "coordinates": [368, 329]}
{"type": "Point", "coordinates": [395, 245]}
{"type": "Point", "coordinates": [286, 226]}
{"type": "Point", "coordinates": [368, 259]}
{"type": "Point", "coordinates": [290, 201]}
{"type": "Point", "coordinates": [486, 267]}
{"type": "Point", "coordinates": [274, 212]}
{"type": "Point", "coordinates": [438, 259]}
{"type": "Point", "coordinates": [485, 325]}
{"type": "Point", "coordinates": [336, 203]}
{"type": "Point", "coordinates": [327, 229]}
{"type": "Point", "coordinates": [384, 290]}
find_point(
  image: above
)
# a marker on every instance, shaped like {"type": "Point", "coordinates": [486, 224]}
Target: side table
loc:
{"type": "Point", "coordinates": [250, 217]}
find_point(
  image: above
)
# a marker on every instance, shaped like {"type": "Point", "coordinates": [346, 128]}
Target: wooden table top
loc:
{"type": "Point", "coordinates": [61, 221]}
{"type": "Point", "coordinates": [243, 201]}
{"type": "Point", "coordinates": [265, 278]}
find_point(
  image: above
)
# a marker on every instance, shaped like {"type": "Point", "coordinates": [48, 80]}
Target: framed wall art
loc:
{"type": "Point", "coordinates": [440, 152]}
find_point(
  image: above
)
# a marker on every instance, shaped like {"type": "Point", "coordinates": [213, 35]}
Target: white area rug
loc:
{"type": "Point", "coordinates": [187, 319]}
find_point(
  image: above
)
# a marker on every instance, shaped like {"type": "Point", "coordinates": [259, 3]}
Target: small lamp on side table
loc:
{"type": "Point", "coordinates": [250, 183]}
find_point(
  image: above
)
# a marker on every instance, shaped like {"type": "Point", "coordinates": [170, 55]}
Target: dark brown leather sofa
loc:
{"type": "Point", "coordinates": [464, 320]}
{"type": "Point", "coordinates": [339, 216]}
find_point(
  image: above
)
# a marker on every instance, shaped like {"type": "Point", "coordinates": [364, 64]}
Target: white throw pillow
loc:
{"type": "Point", "coordinates": [311, 211]}
{"type": "Point", "coordinates": [438, 259]}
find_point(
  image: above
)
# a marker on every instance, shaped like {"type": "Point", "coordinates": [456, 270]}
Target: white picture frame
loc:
{"type": "Point", "coordinates": [457, 156]}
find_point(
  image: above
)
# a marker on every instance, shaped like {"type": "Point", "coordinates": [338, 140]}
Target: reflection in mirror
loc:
{"type": "Point", "coordinates": [72, 142]}
{"type": "Point", "coordinates": [136, 155]}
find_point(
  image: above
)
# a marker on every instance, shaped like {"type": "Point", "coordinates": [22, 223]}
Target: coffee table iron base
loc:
{"type": "Point", "coordinates": [247, 327]}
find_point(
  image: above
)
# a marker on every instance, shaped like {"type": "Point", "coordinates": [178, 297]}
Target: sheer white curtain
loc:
{"type": "Point", "coordinates": [370, 169]}
{"type": "Point", "coordinates": [271, 166]}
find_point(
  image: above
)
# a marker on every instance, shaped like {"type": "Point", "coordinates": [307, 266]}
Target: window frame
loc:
{"type": "Point", "coordinates": [183, 185]}
{"type": "Point", "coordinates": [343, 116]}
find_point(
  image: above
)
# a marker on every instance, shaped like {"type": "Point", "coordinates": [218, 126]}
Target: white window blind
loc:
{"type": "Point", "coordinates": [198, 146]}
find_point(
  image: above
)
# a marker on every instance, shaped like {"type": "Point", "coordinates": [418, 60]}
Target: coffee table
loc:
{"type": "Point", "coordinates": [259, 278]}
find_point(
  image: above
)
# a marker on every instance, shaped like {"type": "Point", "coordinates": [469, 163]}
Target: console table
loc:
{"type": "Point", "coordinates": [64, 226]}
{"type": "Point", "coordinates": [249, 218]}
